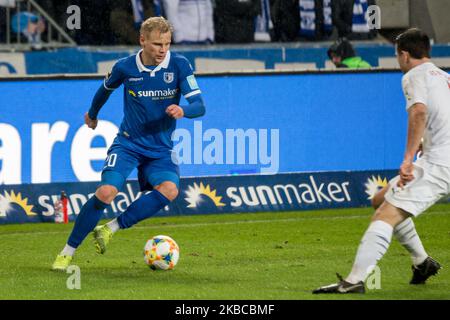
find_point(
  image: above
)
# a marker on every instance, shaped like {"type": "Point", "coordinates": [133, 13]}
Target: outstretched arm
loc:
{"type": "Point", "coordinates": [100, 98]}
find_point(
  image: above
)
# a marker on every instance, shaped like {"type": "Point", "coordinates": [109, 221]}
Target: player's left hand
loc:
{"type": "Point", "coordinates": [175, 111]}
{"type": "Point", "coordinates": [406, 173]}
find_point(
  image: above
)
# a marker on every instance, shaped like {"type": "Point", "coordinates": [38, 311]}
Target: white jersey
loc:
{"type": "Point", "coordinates": [191, 19]}
{"type": "Point", "coordinates": [430, 85]}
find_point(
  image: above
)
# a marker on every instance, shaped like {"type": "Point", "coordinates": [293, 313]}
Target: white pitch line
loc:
{"type": "Point", "coordinates": [205, 224]}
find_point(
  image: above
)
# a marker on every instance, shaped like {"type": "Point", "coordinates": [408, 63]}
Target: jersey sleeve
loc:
{"type": "Point", "coordinates": [188, 83]}
{"type": "Point", "coordinates": [114, 78]}
{"type": "Point", "coordinates": [415, 90]}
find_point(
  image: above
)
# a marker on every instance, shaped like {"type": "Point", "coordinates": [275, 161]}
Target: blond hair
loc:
{"type": "Point", "coordinates": [156, 23]}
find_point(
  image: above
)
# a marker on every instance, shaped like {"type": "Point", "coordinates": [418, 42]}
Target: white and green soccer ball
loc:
{"type": "Point", "coordinates": [161, 253]}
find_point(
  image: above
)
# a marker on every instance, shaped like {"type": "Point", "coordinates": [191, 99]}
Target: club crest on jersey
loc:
{"type": "Point", "coordinates": [168, 77]}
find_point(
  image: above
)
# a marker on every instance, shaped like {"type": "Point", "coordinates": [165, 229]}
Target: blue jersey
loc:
{"type": "Point", "coordinates": [147, 92]}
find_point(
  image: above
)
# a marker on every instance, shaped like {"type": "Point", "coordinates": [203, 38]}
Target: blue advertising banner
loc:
{"type": "Point", "coordinates": [259, 123]}
{"type": "Point", "coordinates": [205, 195]}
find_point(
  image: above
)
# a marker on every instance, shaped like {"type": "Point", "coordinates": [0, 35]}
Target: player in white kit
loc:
{"type": "Point", "coordinates": [420, 183]}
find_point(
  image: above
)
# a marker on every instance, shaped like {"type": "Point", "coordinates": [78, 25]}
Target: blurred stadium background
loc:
{"type": "Point", "coordinates": [285, 130]}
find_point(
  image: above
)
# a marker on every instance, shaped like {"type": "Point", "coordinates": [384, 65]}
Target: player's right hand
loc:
{"type": "Point", "coordinates": [406, 173]}
{"type": "Point", "coordinates": [89, 122]}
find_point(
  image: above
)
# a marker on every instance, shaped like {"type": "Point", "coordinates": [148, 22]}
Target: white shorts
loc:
{"type": "Point", "coordinates": [431, 183]}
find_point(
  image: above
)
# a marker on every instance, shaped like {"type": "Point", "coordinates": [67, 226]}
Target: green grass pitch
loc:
{"type": "Point", "coordinates": [278, 255]}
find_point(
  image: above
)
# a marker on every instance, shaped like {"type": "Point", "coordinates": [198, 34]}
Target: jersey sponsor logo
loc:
{"type": "Point", "coordinates": [136, 79]}
{"type": "Point", "coordinates": [131, 92]}
{"type": "Point", "coordinates": [168, 77]}
{"type": "Point", "coordinates": [192, 82]}
{"type": "Point", "coordinates": [161, 94]}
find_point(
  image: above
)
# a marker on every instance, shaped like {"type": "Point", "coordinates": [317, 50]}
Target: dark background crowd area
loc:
{"type": "Point", "coordinates": [111, 22]}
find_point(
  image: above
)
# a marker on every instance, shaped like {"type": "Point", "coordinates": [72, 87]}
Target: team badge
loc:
{"type": "Point", "coordinates": [168, 77]}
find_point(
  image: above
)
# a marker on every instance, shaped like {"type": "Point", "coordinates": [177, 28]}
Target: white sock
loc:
{"type": "Point", "coordinates": [113, 225]}
{"type": "Point", "coordinates": [406, 234]}
{"type": "Point", "coordinates": [372, 248]}
{"type": "Point", "coordinates": [68, 251]}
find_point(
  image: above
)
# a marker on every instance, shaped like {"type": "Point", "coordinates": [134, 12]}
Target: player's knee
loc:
{"type": "Point", "coordinates": [106, 193]}
{"type": "Point", "coordinates": [168, 189]}
{"type": "Point", "coordinates": [389, 214]}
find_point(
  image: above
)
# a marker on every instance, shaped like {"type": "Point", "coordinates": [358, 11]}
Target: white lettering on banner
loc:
{"type": "Point", "coordinates": [82, 153]}
{"type": "Point", "coordinates": [48, 207]}
{"type": "Point", "coordinates": [242, 147]}
{"type": "Point", "coordinates": [122, 201]}
{"type": "Point", "coordinates": [77, 200]}
{"type": "Point", "coordinates": [43, 138]}
{"type": "Point", "coordinates": [10, 155]}
{"type": "Point", "coordinates": [279, 193]}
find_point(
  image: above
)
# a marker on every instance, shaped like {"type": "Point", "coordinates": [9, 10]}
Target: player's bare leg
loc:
{"type": "Point", "coordinates": [168, 189]}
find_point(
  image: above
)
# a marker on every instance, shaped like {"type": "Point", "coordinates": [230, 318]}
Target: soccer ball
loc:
{"type": "Point", "coordinates": [161, 253]}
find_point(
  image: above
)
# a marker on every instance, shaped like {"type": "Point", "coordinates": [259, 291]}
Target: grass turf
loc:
{"type": "Point", "coordinates": [279, 255]}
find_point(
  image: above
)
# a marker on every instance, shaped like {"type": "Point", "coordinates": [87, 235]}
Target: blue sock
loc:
{"type": "Point", "coordinates": [143, 208]}
{"type": "Point", "coordinates": [86, 221]}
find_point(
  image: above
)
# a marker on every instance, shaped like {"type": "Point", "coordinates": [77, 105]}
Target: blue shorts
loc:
{"type": "Point", "coordinates": [151, 171]}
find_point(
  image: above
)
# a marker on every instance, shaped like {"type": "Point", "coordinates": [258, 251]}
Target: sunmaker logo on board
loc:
{"type": "Point", "coordinates": [195, 192]}
{"type": "Point", "coordinates": [309, 192]}
{"type": "Point", "coordinates": [373, 185]}
{"type": "Point", "coordinates": [306, 193]}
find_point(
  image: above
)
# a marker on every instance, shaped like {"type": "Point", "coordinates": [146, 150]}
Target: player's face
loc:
{"type": "Point", "coordinates": [156, 45]}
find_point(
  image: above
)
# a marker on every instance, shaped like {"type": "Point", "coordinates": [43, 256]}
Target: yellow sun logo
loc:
{"type": "Point", "coordinates": [193, 195]}
{"type": "Point", "coordinates": [132, 93]}
{"type": "Point", "coordinates": [374, 184]}
{"type": "Point", "coordinates": [9, 198]}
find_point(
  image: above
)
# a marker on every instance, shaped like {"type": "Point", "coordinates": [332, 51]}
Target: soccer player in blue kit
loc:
{"type": "Point", "coordinates": [153, 81]}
